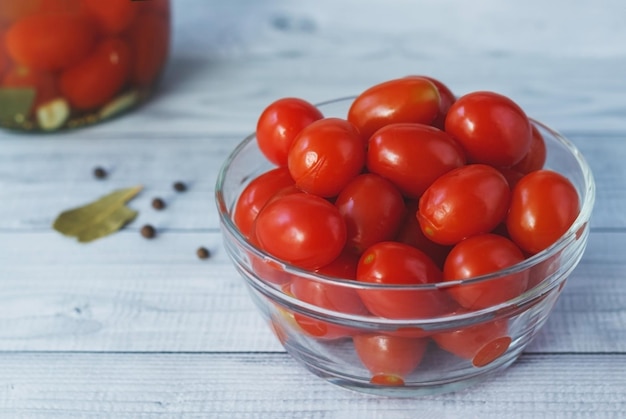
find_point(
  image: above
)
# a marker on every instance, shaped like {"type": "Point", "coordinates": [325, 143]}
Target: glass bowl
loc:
{"type": "Point", "coordinates": [428, 353]}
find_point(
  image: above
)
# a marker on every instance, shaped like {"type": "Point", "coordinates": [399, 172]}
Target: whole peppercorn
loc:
{"type": "Point", "coordinates": [203, 253]}
{"type": "Point", "coordinates": [148, 231]}
{"type": "Point", "coordinates": [180, 186]}
{"type": "Point", "coordinates": [158, 204]}
{"type": "Point", "coordinates": [99, 172]}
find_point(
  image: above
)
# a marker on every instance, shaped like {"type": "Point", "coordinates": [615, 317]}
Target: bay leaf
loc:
{"type": "Point", "coordinates": [99, 218]}
{"type": "Point", "coordinates": [15, 101]}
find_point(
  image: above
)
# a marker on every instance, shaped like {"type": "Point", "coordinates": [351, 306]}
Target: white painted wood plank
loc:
{"type": "Point", "coordinates": [273, 385]}
{"type": "Point", "coordinates": [125, 293]}
{"type": "Point", "coordinates": [40, 180]}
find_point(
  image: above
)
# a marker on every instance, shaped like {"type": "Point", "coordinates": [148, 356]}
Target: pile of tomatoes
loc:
{"type": "Point", "coordinates": [81, 52]}
{"type": "Point", "coordinates": [415, 186]}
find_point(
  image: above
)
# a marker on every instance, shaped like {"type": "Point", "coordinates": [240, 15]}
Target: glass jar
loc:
{"type": "Point", "coordinates": [70, 63]}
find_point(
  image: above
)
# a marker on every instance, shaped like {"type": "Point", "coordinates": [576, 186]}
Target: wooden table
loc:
{"type": "Point", "coordinates": [129, 327]}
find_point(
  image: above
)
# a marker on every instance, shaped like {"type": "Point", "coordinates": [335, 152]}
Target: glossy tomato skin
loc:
{"type": "Point", "coordinates": [446, 99]}
{"type": "Point", "coordinates": [536, 156]}
{"type": "Point", "coordinates": [411, 233]}
{"type": "Point", "coordinates": [95, 80]}
{"type": "Point", "coordinates": [480, 343]}
{"type": "Point", "coordinates": [400, 264]}
{"type": "Point", "coordinates": [112, 16]}
{"type": "Point", "coordinates": [470, 200]}
{"type": "Point", "coordinates": [280, 123]}
{"type": "Point", "coordinates": [389, 358]}
{"type": "Point", "coordinates": [255, 196]}
{"type": "Point", "coordinates": [479, 255]}
{"type": "Point", "coordinates": [149, 40]}
{"type": "Point", "coordinates": [544, 205]}
{"type": "Point", "coordinates": [491, 128]}
{"type": "Point", "coordinates": [412, 156]}
{"type": "Point", "coordinates": [302, 229]}
{"type": "Point", "coordinates": [325, 156]}
{"type": "Point", "coordinates": [50, 42]}
{"type": "Point", "coordinates": [411, 99]}
{"type": "Point", "coordinates": [372, 208]}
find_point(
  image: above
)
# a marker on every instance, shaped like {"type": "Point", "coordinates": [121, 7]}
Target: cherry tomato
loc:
{"type": "Point", "coordinates": [302, 229]}
{"type": "Point", "coordinates": [411, 233]}
{"type": "Point", "coordinates": [372, 208]}
{"type": "Point", "coordinates": [491, 128]}
{"type": "Point", "coordinates": [412, 156]}
{"type": "Point", "coordinates": [511, 175]}
{"type": "Point", "coordinates": [470, 200]}
{"type": "Point", "coordinates": [328, 296]}
{"type": "Point", "coordinates": [161, 7]}
{"type": "Point", "coordinates": [400, 264]}
{"type": "Point", "coordinates": [149, 39]}
{"type": "Point", "coordinates": [256, 195]}
{"type": "Point", "coordinates": [95, 80]}
{"type": "Point", "coordinates": [544, 205]}
{"type": "Point", "coordinates": [479, 255]}
{"type": "Point", "coordinates": [343, 267]}
{"type": "Point", "coordinates": [481, 343]}
{"type": "Point", "coordinates": [42, 82]}
{"type": "Point", "coordinates": [389, 358]}
{"type": "Point", "coordinates": [50, 42]}
{"type": "Point", "coordinates": [4, 58]}
{"type": "Point", "coordinates": [411, 99]}
{"type": "Point", "coordinates": [536, 156]}
{"type": "Point", "coordinates": [268, 269]}
{"type": "Point", "coordinates": [280, 123]}
{"type": "Point", "coordinates": [325, 156]}
{"type": "Point", "coordinates": [112, 16]}
{"type": "Point", "coordinates": [447, 98]}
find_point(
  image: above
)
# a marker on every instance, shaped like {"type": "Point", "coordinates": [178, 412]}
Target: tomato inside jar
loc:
{"type": "Point", "coordinates": [69, 63]}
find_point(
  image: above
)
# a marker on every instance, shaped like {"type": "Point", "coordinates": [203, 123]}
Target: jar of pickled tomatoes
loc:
{"type": "Point", "coordinates": [70, 63]}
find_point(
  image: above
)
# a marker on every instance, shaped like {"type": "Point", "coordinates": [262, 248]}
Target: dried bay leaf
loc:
{"type": "Point", "coordinates": [15, 102]}
{"type": "Point", "coordinates": [100, 218]}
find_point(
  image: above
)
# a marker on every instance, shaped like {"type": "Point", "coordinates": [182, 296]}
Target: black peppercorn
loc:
{"type": "Point", "coordinates": [203, 253]}
{"type": "Point", "coordinates": [148, 231]}
{"type": "Point", "coordinates": [99, 172]}
{"type": "Point", "coordinates": [158, 204]}
{"type": "Point", "coordinates": [180, 187]}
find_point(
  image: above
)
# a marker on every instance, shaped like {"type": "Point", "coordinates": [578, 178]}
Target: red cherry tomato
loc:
{"type": "Point", "coordinates": [161, 7]}
{"type": "Point", "coordinates": [411, 233]}
{"type": "Point", "coordinates": [447, 98]}
{"type": "Point", "coordinates": [43, 83]}
{"type": "Point", "coordinates": [112, 16]}
{"type": "Point", "coordinates": [256, 195]}
{"type": "Point", "coordinates": [470, 200]}
{"type": "Point", "coordinates": [479, 255]}
{"type": "Point", "coordinates": [372, 208]}
{"type": "Point", "coordinates": [328, 296]}
{"type": "Point", "coordinates": [481, 343]}
{"type": "Point", "coordinates": [302, 229]}
{"type": "Point", "coordinates": [389, 358]}
{"type": "Point", "coordinates": [50, 42]}
{"type": "Point", "coordinates": [412, 156]}
{"type": "Point", "coordinates": [536, 156]}
{"type": "Point", "coordinates": [4, 58]}
{"type": "Point", "coordinates": [491, 128]}
{"type": "Point", "coordinates": [344, 267]}
{"type": "Point", "coordinates": [267, 269]}
{"type": "Point", "coordinates": [400, 264]}
{"type": "Point", "coordinates": [149, 39]}
{"type": "Point", "coordinates": [325, 156]}
{"type": "Point", "coordinates": [280, 123]}
{"type": "Point", "coordinates": [95, 80]}
{"type": "Point", "coordinates": [411, 99]}
{"type": "Point", "coordinates": [544, 205]}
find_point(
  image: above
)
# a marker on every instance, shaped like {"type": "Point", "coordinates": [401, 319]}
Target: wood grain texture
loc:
{"type": "Point", "coordinates": [273, 385]}
{"type": "Point", "coordinates": [125, 327]}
